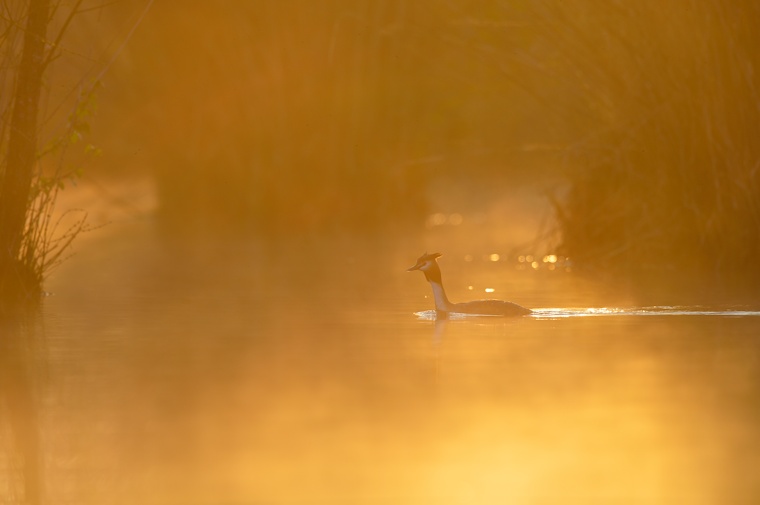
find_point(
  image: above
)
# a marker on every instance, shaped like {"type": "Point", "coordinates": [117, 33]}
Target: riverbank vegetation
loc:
{"type": "Point", "coordinates": [25, 56]}
{"type": "Point", "coordinates": [47, 100]}
{"type": "Point", "coordinates": [338, 116]}
{"type": "Point", "coordinates": [286, 118]}
{"type": "Point", "coordinates": [664, 183]}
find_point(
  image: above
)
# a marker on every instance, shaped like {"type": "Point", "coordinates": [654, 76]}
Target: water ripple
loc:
{"type": "Point", "coordinates": [566, 312]}
{"type": "Point", "coordinates": [660, 310]}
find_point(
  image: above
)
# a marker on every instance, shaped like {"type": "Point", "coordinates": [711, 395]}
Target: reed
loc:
{"type": "Point", "coordinates": [295, 117]}
{"type": "Point", "coordinates": [665, 182]}
{"type": "Point", "coordinates": [332, 115]}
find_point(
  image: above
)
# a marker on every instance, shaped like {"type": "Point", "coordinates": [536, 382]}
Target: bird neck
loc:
{"type": "Point", "coordinates": [433, 276]}
{"type": "Point", "coordinates": [442, 303]}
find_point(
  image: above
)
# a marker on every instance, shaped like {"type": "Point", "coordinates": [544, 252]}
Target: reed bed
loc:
{"type": "Point", "coordinates": [665, 180]}
{"type": "Point", "coordinates": [289, 116]}
{"type": "Point", "coordinates": [307, 116]}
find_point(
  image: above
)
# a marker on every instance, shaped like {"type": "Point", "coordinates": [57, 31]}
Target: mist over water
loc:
{"type": "Point", "coordinates": [249, 372]}
{"type": "Point", "coordinates": [238, 326]}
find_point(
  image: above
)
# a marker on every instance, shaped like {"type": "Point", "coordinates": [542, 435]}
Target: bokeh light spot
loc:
{"type": "Point", "coordinates": [455, 219]}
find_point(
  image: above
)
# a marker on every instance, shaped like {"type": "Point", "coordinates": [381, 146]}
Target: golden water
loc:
{"type": "Point", "coordinates": [257, 374]}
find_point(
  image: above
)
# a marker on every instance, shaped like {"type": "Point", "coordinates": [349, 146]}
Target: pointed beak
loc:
{"type": "Point", "coordinates": [415, 267]}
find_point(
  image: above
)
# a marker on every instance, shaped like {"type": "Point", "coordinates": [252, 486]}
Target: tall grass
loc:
{"type": "Point", "coordinates": [319, 115]}
{"type": "Point", "coordinates": [313, 115]}
{"type": "Point", "coordinates": [665, 181]}
{"type": "Point", "coordinates": [285, 116]}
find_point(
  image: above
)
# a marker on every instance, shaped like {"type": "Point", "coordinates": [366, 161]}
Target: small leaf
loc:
{"type": "Point", "coordinates": [92, 150]}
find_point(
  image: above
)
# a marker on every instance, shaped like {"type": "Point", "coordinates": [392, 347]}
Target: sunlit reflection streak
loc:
{"type": "Point", "coordinates": [562, 312]}
{"type": "Point", "coordinates": [554, 313]}
{"type": "Point", "coordinates": [431, 315]}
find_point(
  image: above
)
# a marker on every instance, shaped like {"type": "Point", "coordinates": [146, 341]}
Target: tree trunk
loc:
{"type": "Point", "coordinates": [16, 181]}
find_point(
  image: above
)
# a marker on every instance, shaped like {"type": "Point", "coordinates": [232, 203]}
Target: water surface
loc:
{"type": "Point", "coordinates": [241, 373]}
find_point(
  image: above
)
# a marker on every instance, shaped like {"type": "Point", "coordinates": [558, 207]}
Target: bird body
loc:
{"type": "Point", "coordinates": [428, 265]}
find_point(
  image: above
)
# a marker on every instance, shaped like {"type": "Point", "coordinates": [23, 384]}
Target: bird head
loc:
{"type": "Point", "coordinates": [425, 262]}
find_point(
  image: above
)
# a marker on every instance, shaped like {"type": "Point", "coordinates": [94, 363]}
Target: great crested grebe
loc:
{"type": "Point", "coordinates": [428, 265]}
